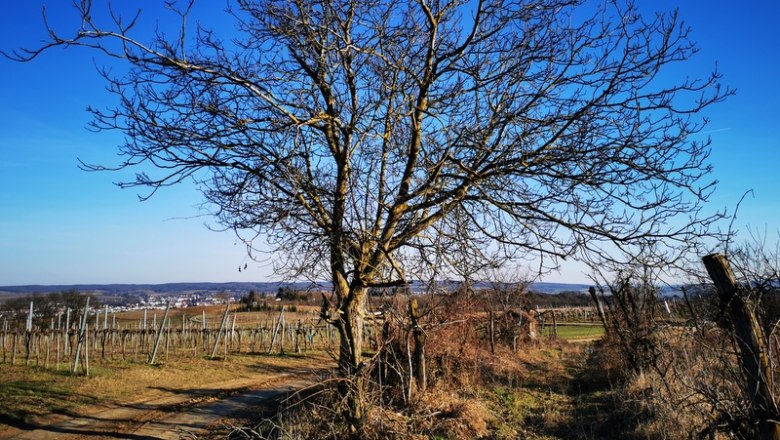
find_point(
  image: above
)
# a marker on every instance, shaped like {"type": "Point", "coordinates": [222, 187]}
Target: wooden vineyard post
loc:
{"type": "Point", "coordinates": [135, 340]}
{"type": "Point", "coordinates": [167, 338]}
{"type": "Point", "coordinates": [297, 335]}
{"type": "Point", "coordinates": [226, 344]}
{"type": "Point", "coordinates": [86, 349]}
{"type": "Point", "coordinates": [66, 348]}
{"type": "Point", "coordinates": [5, 334]}
{"type": "Point", "coordinates": [233, 334]}
{"type": "Point", "coordinates": [219, 332]}
{"type": "Point", "coordinates": [203, 330]}
{"type": "Point", "coordinates": [81, 336]}
{"type": "Point", "coordinates": [159, 334]}
{"type": "Point", "coordinates": [13, 348]}
{"type": "Point", "coordinates": [36, 345]}
{"type": "Point", "coordinates": [418, 355]}
{"type": "Point", "coordinates": [96, 330]}
{"type": "Point", "coordinates": [143, 332]}
{"type": "Point", "coordinates": [599, 307]}
{"type": "Point", "coordinates": [47, 342]}
{"type": "Point", "coordinates": [276, 332]}
{"type": "Point", "coordinates": [183, 334]}
{"type": "Point", "coordinates": [113, 334]}
{"type": "Point", "coordinates": [28, 335]}
{"type": "Point", "coordinates": [750, 338]}
{"type": "Point", "coordinates": [540, 320]}
{"type": "Point", "coordinates": [104, 336]}
{"type": "Point", "coordinates": [281, 337]}
{"type": "Point", "coordinates": [57, 336]}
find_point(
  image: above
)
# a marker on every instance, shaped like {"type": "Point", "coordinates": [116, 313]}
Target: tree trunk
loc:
{"type": "Point", "coordinates": [350, 326]}
{"type": "Point", "coordinates": [750, 338]}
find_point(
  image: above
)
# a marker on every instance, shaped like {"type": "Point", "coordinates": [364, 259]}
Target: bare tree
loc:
{"type": "Point", "coordinates": [628, 309]}
{"type": "Point", "coordinates": [368, 141]}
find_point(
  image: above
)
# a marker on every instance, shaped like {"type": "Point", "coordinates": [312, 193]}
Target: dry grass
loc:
{"type": "Point", "coordinates": [30, 392]}
{"type": "Point", "coordinates": [474, 394]}
{"type": "Point", "coordinates": [690, 391]}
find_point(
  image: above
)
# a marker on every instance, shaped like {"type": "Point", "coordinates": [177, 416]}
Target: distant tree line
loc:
{"type": "Point", "coordinates": [46, 307]}
{"type": "Point", "coordinates": [566, 298]}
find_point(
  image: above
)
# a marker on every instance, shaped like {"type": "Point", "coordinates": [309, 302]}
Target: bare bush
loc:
{"type": "Point", "coordinates": [629, 314]}
{"type": "Point", "coordinates": [713, 375]}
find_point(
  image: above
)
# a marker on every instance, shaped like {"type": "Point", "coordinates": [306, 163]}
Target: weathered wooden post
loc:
{"type": "Point", "coordinates": [122, 338]}
{"type": "Point", "coordinates": [233, 333]}
{"type": "Point", "coordinates": [5, 334]}
{"type": "Point", "coordinates": [57, 336]}
{"type": "Point", "coordinates": [104, 335]}
{"type": "Point", "coordinates": [599, 308]}
{"type": "Point", "coordinates": [28, 335]}
{"type": "Point", "coordinates": [13, 348]}
{"type": "Point", "coordinates": [143, 332]}
{"type": "Point", "coordinates": [86, 348]}
{"type": "Point", "coordinates": [30, 317]}
{"type": "Point", "coordinates": [418, 355]}
{"type": "Point", "coordinates": [159, 333]}
{"type": "Point", "coordinates": [203, 330]}
{"type": "Point", "coordinates": [47, 342]}
{"type": "Point", "coordinates": [219, 332]}
{"type": "Point", "coordinates": [66, 348]}
{"type": "Point", "coordinates": [750, 338]}
{"type": "Point", "coordinates": [114, 330]}
{"type": "Point", "coordinates": [81, 335]}
{"type": "Point", "coordinates": [297, 337]}
{"type": "Point", "coordinates": [492, 333]}
{"type": "Point", "coordinates": [276, 332]}
{"type": "Point", "coordinates": [283, 334]}
{"type": "Point", "coordinates": [540, 320]}
{"type": "Point", "coordinates": [167, 338]}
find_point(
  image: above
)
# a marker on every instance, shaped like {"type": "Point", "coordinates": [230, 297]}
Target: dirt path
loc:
{"type": "Point", "coordinates": [563, 398]}
{"type": "Point", "coordinates": [176, 414]}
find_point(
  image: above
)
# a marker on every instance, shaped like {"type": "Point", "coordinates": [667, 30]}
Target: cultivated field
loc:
{"type": "Point", "coordinates": [206, 375]}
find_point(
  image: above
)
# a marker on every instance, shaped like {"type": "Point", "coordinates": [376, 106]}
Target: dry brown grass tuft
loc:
{"type": "Point", "coordinates": [463, 419]}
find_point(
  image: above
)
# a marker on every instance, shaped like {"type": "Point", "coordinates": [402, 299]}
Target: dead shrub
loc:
{"type": "Point", "coordinates": [697, 395]}
{"type": "Point", "coordinates": [459, 361]}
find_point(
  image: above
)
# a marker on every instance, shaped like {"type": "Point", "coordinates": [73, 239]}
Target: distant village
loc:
{"type": "Point", "coordinates": [118, 298]}
{"type": "Point", "coordinates": [48, 301]}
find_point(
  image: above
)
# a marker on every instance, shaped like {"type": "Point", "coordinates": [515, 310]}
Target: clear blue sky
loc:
{"type": "Point", "coordinates": [60, 225]}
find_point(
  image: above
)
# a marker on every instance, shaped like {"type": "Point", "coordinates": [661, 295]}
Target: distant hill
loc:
{"type": "Point", "coordinates": [161, 289]}
{"type": "Point", "coordinates": [553, 288]}
{"type": "Point", "coordinates": [233, 287]}
{"type": "Point", "coordinates": [120, 293]}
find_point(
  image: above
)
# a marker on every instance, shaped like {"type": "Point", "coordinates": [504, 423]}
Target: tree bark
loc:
{"type": "Point", "coordinates": [350, 326]}
{"type": "Point", "coordinates": [750, 338]}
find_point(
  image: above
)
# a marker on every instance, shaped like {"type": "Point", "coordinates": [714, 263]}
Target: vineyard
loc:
{"type": "Point", "coordinates": [74, 342]}
{"type": "Point", "coordinates": [73, 339]}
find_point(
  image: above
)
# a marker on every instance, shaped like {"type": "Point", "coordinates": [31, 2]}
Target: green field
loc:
{"type": "Point", "coordinates": [576, 331]}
